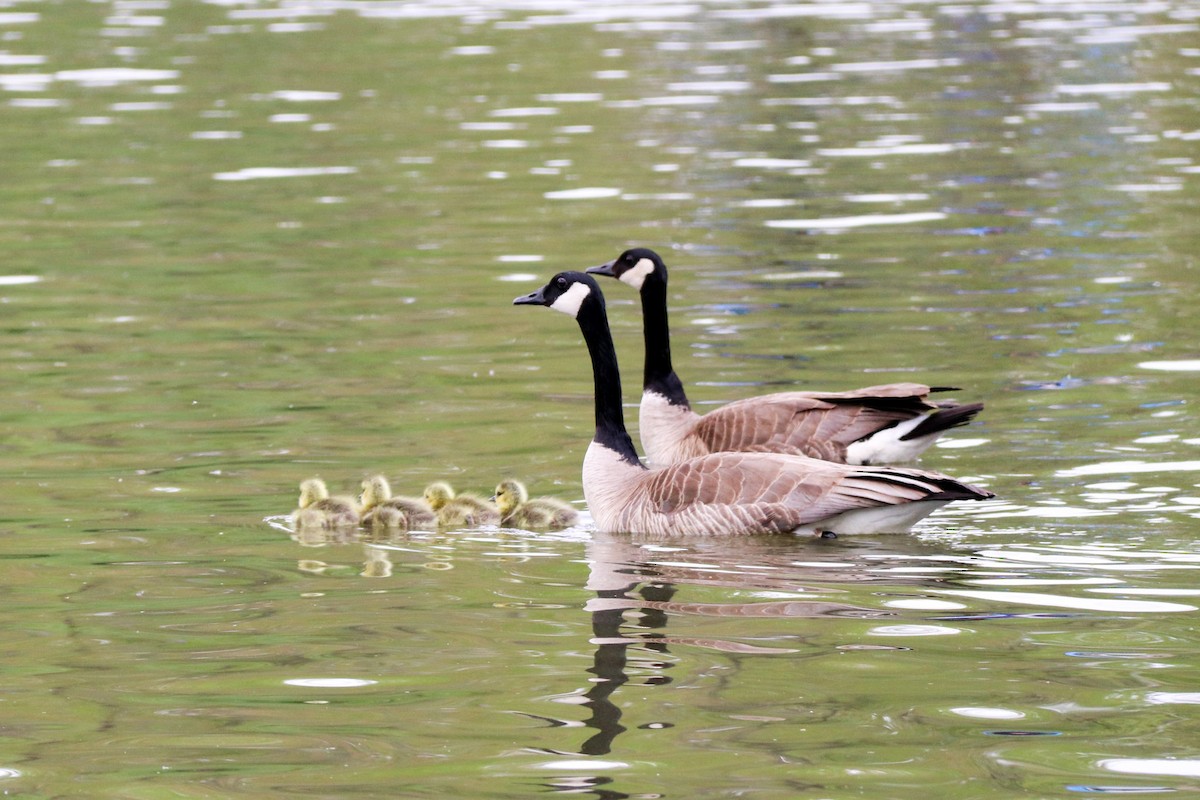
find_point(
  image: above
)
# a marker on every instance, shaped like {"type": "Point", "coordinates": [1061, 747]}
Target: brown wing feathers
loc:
{"type": "Point", "coordinates": [819, 426]}
{"type": "Point", "coordinates": [790, 491]}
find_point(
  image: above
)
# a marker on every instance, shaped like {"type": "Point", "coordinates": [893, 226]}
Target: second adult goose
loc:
{"type": "Point", "coordinates": [889, 424]}
{"type": "Point", "coordinates": [726, 493]}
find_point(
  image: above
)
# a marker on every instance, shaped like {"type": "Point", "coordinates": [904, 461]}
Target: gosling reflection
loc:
{"type": "Point", "coordinates": [377, 561]}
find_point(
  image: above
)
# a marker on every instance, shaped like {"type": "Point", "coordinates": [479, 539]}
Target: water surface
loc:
{"type": "Point", "coordinates": [248, 243]}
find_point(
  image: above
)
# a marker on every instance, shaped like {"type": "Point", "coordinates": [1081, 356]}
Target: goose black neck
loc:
{"type": "Point", "coordinates": [659, 376]}
{"type": "Point", "coordinates": [610, 416]}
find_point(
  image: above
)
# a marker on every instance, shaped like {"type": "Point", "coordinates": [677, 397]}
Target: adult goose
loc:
{"type": "Point", "coordinates": [726, 493]}
{"type": "Point", "coordinates": [890, 424]}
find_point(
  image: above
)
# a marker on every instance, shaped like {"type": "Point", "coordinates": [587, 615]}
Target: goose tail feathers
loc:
{"type": "Point", "coordinates": [943, 420]}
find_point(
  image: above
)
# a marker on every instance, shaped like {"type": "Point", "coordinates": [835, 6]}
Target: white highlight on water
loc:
{"type": "Point", "coordinates": [1186, 365]}
{"type": "Point", "coordinates": [924, 604]}
{"type": "Point", "coordinates": [113, 75]}
{"type": "Point", "coordinates": [978, 712]}
{"type": "Point", "coordinates": [255, 173]}
{"type": "Point", "coordinates": [913, 630]}
{"type": "Point", "coordinates": [1179, 767]}
{"type": "Point", "coordinates": [330, 683]}
{"type": "Point", "coordinates": [1063, 601]}
{"type": "Point", "coordinates": [841, 223]}
{"type": "Point", "coordinates": [583, 193]}
{"type": "Point", "coordinates": [1123, 467]}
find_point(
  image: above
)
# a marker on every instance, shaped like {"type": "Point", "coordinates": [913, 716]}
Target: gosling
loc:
{"type": "Point", "coordinates": [318, 510]}
{"type": "Point", "coordinates": [459, 511]}
{"type": "Point", "coordinates": [381, 510]}
{"type": "Point", "coordinates": [542, 513]}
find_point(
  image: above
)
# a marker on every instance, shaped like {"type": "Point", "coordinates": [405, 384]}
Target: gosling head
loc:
{"type": "Point", "coordinates": [312, 490]}
{"type": "Point", "coordinates": [566, 292]}
{"type": "Point", "coordinates": [509, 495]}
{"type": "Point", "coordinates": [437, 494]}
{"type": "Point", "coordinates": [375, 490]}
{"type": "Point", "coordinates": [634, 267]}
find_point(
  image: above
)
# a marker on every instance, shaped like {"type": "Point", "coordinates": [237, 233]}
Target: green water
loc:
{"type": "Point", "coordinates": [286, 244]}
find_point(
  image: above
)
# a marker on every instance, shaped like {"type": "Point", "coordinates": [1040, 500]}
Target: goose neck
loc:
{"type": "Point", "coordinates": [659, 374]}
{"type": "Point", "coordinates": [610, 416]}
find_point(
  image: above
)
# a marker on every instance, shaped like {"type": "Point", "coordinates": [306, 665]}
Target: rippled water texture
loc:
{"type": "Point", "coordinates": [249, 242]}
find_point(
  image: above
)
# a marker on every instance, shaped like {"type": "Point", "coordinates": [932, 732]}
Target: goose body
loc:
{"type": "Point", "coordinates": [517, 510]}
{"type": "Point", "coordinates": [459, 510]}
{"type": "Point", "coordinates": [381, 509]}
{"type": "Point", "coordinates": [316, 509]}
{"type": "Point", "coordinates": [889, 424]}
{"type": "Point", "coordinates": [727, 493]}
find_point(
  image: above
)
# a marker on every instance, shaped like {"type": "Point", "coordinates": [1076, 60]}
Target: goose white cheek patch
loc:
{"type": "Point", "coordinates": [570, 300]}
{"type": "Point", "coordinates": [636, 275]}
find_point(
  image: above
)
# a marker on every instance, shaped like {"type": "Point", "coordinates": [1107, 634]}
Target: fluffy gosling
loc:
{"type": "Point", "coordinates": [317, 509]}
{"type": "Point", "coordinates": [461, 510]}
{"type": "Point", "coordinates": [542, 513]}
{"type": "Point", "coordinates": [382, 510]}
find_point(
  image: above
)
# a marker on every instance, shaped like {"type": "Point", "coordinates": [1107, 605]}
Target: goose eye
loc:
{"type": "Point", "coordinates": [561, 282]}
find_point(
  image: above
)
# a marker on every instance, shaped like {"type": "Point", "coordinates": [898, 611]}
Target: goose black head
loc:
{"type": "Point", "coordinates": [566, 292]}
{"type": "Point", "coordinates": [634, 267]}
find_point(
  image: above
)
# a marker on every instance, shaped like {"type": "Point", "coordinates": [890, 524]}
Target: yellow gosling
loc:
{"type": "Point", "coordinates": [542, 513]}
{"type": "Point", "coordinates": [459, 510]}
{"type": "Point", "coordinates": [381, 510]}
{"type": "Point", "coordinates": [317, 509]}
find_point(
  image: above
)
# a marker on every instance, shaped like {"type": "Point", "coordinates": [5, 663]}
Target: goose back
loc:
{"type": "Point", "coordinates": [825, 425]}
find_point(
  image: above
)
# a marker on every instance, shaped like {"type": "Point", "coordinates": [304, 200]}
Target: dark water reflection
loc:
{"type": "Point", "coordinates": [247, 243]}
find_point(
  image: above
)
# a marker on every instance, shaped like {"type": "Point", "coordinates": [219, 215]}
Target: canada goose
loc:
{"type": "Point", "coordinates": [317, 509]}
{"type": "Point", "coordinates": [730, 492]}
{"type": "Point", "coordinates": [888, 424]}
{"type": "Point", "coordinates": [542, 513]}
{"type": "Point", "coordinates": [382, 510]}
{"type": "Point", "coordinates": [459, 510]}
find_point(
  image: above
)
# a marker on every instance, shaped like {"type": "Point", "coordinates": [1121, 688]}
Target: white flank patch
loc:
{"type": "Point", "coordinates": [570, 300]}
{"type": "Point", "coordinates": [887, 446]}
{"type": "Point", "coordinates": [636, 276]}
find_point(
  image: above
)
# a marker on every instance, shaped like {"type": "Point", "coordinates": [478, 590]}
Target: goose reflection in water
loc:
{"type": "Point", "coordinates": [628, 574]}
